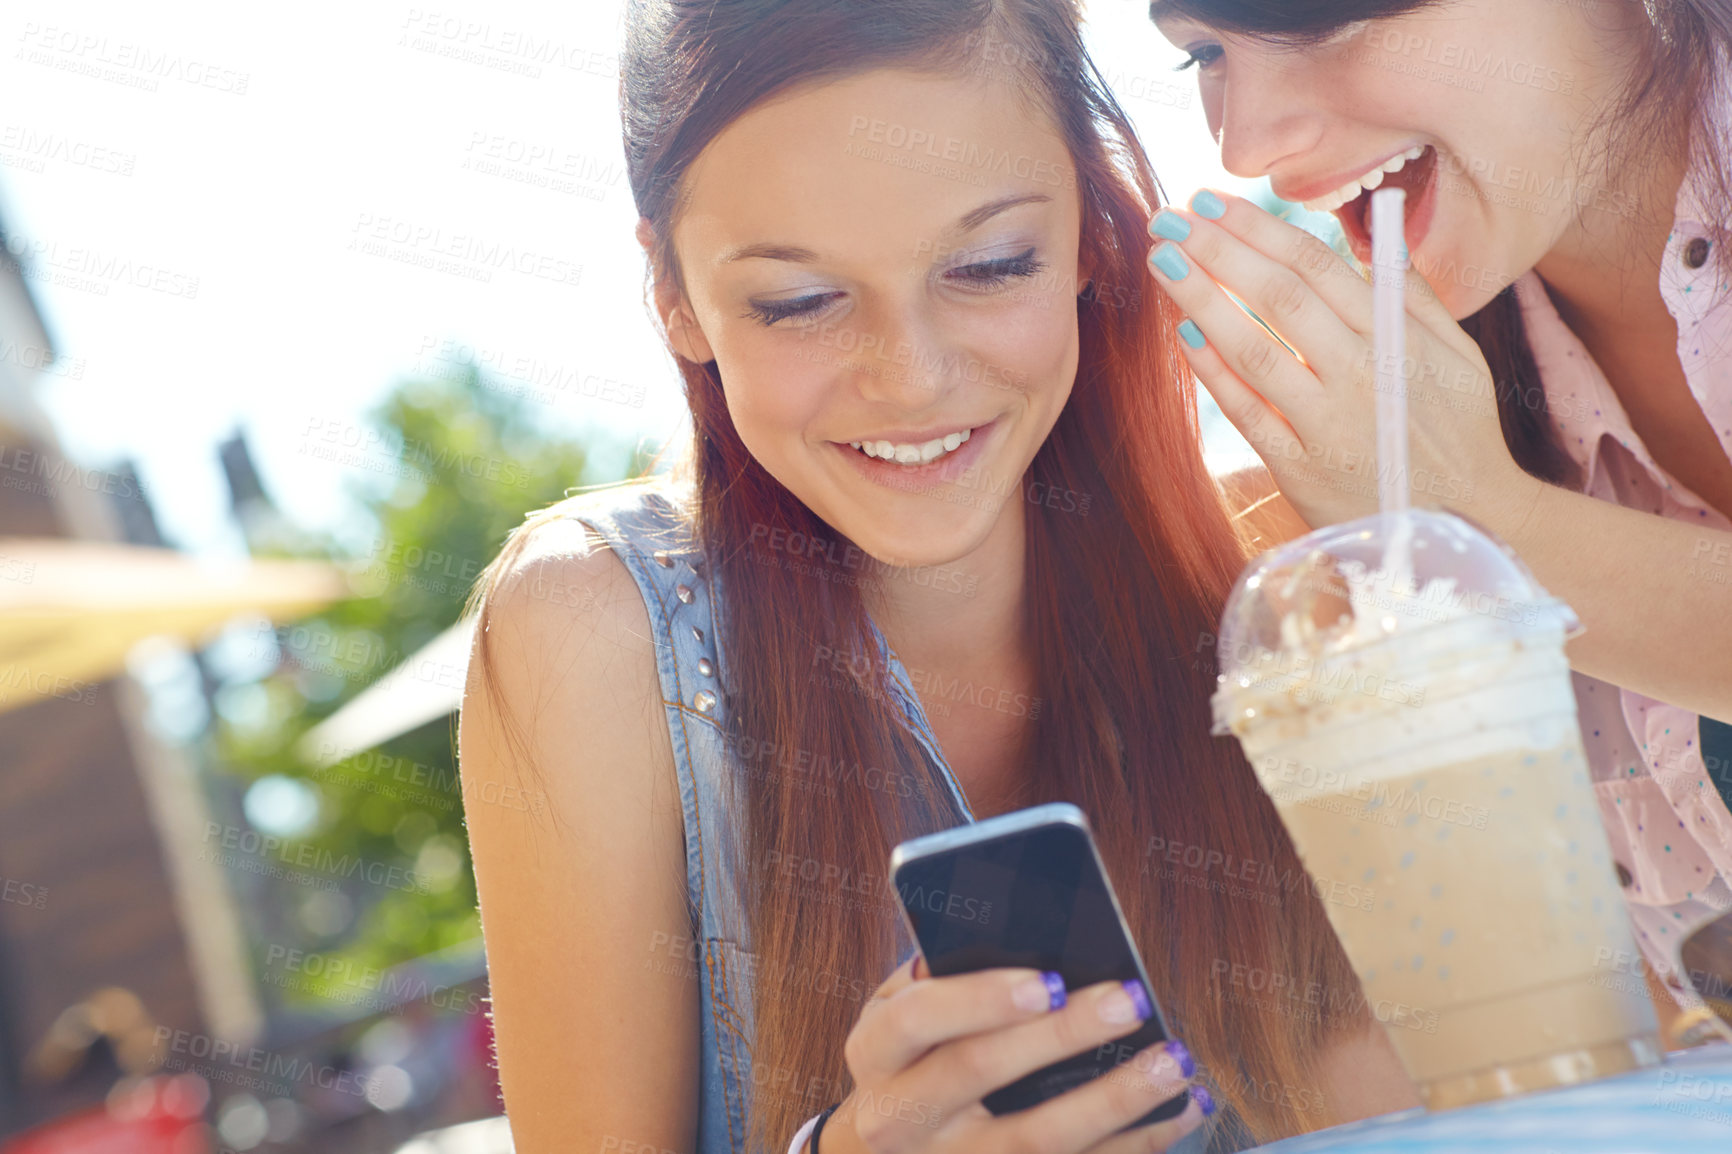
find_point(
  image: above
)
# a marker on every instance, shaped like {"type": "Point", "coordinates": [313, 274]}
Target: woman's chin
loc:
{"type": "Point", "coordinates": [925, 518]}
{"type": "Point", "coordinates": [1462, 302]}
{"type": "Point", "coordinates": [1464, 282]}
{"type": "Point", "coordinates": [937, 538]}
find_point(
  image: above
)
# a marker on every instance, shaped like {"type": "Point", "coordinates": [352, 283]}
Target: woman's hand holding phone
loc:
{"type": "Point", "coordinates": [926, 1050]}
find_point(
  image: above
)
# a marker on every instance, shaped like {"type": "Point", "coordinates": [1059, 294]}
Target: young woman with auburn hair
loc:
{"type": "Point", "coordinates": [942, 544]}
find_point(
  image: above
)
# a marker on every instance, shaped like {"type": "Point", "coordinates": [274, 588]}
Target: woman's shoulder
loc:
{"type": "Point", "coordinates": [560, 584]}
{"type": "Point", "coordinates": [643, 509]}
{"type": "Point", "coordinates": [568, 554]}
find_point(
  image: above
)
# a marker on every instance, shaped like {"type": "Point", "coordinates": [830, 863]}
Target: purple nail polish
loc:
{"type": "Point", "coordinates": [1181, 1055]}
{"type": "Point", "coordinates": [1139, 998]}
{"type": "Point", "coordinates": [1054, 988]}
{"type": "Point", "coordinates": [1205, 1100]}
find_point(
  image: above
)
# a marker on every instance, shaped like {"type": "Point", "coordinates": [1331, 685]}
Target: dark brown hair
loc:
{"type": "Point", "coordinates": [1684, 68]}
{"type": "Point", "coordinates": [1122, 601]}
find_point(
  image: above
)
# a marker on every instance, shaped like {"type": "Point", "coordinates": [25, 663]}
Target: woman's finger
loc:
{"type": "Point", "coordinates": [1424, 306]}
{"type": "Point", "coordinates": [1337, 283]}
{"type": "Point", "coordinates": [1259, 422]}
{"type": "Point", "coordinates": [1251, 351]}
{"type": "Point", "coordinates": [1317, 324]}
{"type": "Point", "coordinates": [1093, 1113]}
{"type": "Point", "coordinates": [1157, 1138]}
{"type": "Point", "coordinates": [896, 1029]}
{"type": "Point", "coordinates": [904, 975]}
{"type": "Point", "coordinates": [910, 971]}
{"type": "Point", "coordinates": [970, 1068]}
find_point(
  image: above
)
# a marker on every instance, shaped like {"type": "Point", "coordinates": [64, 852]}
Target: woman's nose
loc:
{"type": "Point", "coordinates": [1267, 113]}
{"type": "Point", "coordinates": [900, 362]}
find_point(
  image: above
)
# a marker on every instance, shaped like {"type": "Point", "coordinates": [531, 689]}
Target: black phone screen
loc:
{"type": "Point", "coordinates": [1035, 898]}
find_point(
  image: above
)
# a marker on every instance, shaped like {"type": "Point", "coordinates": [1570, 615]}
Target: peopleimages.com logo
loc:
{"type": "Point", "coordinates": [250, 850]}
{"type": "Point", "coordinates": [946, 902]}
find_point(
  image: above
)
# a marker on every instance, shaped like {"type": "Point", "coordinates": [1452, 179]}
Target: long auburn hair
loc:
{"type": "Point", "coordinates": [1682, 82]}
{"type": "Point", "coordinates": [1123, 596]}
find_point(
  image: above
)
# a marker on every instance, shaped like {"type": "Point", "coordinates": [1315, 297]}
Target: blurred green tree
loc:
{"type": "Point", "coordinates": [457, 464]}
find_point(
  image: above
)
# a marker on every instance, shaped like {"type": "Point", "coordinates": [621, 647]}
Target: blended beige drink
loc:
{"type": "Point", "coordinates": [1415, 724]}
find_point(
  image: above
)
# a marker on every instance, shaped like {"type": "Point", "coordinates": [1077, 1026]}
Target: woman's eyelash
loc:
{"type": "Point", "coordinates": [769, 312]}
{"type": "Point", "coordinates": [1202, 57]}
{"type": "Point", "coordinates": [1023, 264]}
{"type": "Point", "coordinates": [986, 273]}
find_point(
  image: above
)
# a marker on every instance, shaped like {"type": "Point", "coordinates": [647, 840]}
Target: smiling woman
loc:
{"type": "Point", "coordinates": [895, 251]}
{"type": "Point", "coordinates": [1543, 128]}
{"type": "Point", "coordinates": [924, 275]}
{"type": "Point", "coordinates": [1569, 205]}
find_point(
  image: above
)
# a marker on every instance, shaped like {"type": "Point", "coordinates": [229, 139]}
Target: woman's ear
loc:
{"type": "Point", "coordinates": [677, 318]}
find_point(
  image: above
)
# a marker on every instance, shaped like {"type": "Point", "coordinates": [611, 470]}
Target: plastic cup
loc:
{"type": "Point", "coordinates": [1399, 685]}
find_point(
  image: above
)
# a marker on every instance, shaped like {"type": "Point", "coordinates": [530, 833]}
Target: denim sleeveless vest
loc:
{"type": "Point", "coordinates": [642, 522]}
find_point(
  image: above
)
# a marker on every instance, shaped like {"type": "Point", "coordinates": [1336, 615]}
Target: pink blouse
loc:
{"type": "Point", "coordinates": [1670, 832]}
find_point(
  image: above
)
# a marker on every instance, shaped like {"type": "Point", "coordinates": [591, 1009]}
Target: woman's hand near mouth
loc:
{"type": "Point", "coordinates": [1307, 405]}
{"type": "Point", "coordinates": [1306, 401]}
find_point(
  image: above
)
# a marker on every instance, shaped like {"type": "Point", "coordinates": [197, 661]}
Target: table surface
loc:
{"type": "Point", "coordinates": [1683, 1106]}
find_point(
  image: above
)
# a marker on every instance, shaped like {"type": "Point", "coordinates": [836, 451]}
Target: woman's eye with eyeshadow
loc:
{"type": "Point", "coordinates": [990, 273]}
{"type": "Point", "coordinates": [769, 312]}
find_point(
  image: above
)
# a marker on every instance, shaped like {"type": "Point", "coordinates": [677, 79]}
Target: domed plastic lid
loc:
{"type": "Point", "coordinates": [1413, 586]}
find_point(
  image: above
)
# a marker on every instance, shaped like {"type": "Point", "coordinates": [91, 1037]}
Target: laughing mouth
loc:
{"type": "Point", "coordinates": [1388, 170]}
{"type": "Point", "coordinates": [1415, 177]}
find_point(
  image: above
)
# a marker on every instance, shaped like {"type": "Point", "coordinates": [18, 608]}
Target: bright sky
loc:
{"type": "Point", "coordinates": [199, 192]}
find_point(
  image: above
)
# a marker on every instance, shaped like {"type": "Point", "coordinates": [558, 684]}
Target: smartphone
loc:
{"type": "Point", "coordinates": [1027, 889]}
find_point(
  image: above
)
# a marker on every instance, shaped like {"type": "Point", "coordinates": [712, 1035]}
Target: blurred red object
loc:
{"type": "Point", "coordinates": [149, 1115]}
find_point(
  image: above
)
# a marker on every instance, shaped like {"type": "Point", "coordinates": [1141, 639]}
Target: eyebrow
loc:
{"type": "Point", "coordinates": [797, 255]}
{"type": "Point", "coordinates": [986, 212]}
{"type": "Point", "coordinates": [786, 252]}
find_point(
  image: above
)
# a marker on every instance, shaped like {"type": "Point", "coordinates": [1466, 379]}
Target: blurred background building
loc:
{"type": "Point", "coordinates": [133, 1016]}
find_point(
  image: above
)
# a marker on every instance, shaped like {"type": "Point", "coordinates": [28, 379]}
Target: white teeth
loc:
{"type": "Point", "coordinates": [913, 454]}
{"type": "Point", "coordinates": [1329, 202]}
{"type": "Point", "coordinates": [1396, 163]}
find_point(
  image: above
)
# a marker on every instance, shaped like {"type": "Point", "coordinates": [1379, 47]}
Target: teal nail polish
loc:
{"type": "Point", "coordinates": [1192, 334]}
{"type": "Point", "coordinates": [1171, 261]}
{"type": "Point", "coordinates": [1170, 225]}
{"type": "Point", "coordinates": [1207, 204]}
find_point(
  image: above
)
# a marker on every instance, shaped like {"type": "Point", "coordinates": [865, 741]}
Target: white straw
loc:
{"type": "Point", "coordinates": [1389, 332]}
